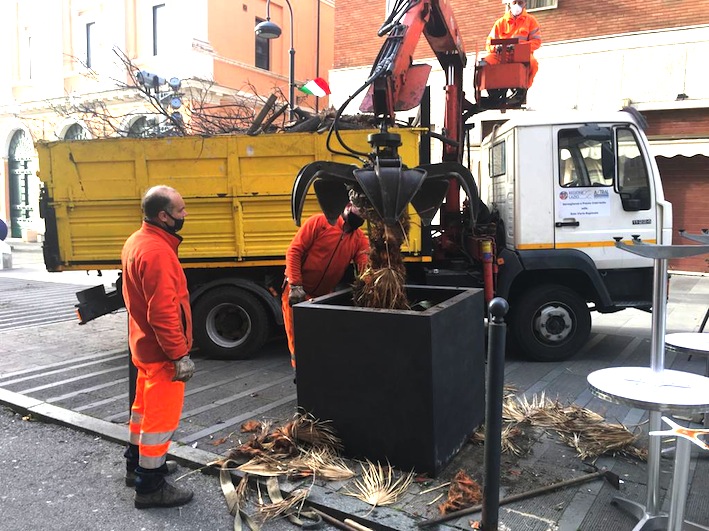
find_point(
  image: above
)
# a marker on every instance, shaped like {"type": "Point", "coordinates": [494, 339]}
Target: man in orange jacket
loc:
{"type": "Point", "coordinates": [516, 23]}
{"type": "Point", "coordinates": [160, 339]}
{"type": "Point", "coordinates": [317, 258]}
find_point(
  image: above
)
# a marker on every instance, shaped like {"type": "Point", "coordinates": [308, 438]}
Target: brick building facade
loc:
{"type": "Point", "coordinates": [596, 55]}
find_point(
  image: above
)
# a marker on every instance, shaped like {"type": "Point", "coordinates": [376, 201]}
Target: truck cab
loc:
{"type": "Point", "coordinates": [566, 188]}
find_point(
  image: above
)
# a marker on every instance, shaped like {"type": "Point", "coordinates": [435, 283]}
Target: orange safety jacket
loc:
{"type": "Point", "coordinates": [317, 259]}
{"type": "Point", "coordinates": [156, 296]}
{"type": "Point", "coordinates": [525, 28]}
{"type": "Point", "coordinates": [319, 254]}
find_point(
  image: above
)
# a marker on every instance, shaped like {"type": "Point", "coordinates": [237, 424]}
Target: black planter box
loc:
{"type": "Point", "coordinates": [402, 386]}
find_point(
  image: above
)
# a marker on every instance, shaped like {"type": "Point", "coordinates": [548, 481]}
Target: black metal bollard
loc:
{"type": "Point", "coordinates": [497, 309]}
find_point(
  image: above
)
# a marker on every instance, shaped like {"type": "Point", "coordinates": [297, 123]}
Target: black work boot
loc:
{"type": "Point", "coordinates": [153, 490]}
{"type": "Point", "coordinates": [131, 475]}
{"type": "Point", "coordinates": [132, 456]}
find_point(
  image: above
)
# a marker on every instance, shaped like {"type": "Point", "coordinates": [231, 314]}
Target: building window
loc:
{"type": "Point", "coordinates": [142, 128]}
{"type": "Point", "coordinates": [541, 4]}
{"type": "Point", "coordinates": [76, 132]}
{"type": "Point", "coordinates": [89, 44]}
{"type": "Point", "coordinates": [498, 160]}
{"type": "Point", "coordinates": [158, 26]}
{"type": "Point", "coordinates": [263, 50]}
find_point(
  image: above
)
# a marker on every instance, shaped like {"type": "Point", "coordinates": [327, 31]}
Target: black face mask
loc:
{"type": "Point", "coordinates": [353, 221]}
{"type": "Point", "coordinates": [179, 223]}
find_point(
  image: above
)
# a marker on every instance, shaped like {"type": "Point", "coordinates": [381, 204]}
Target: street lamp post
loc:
{"type": "Point", "coordinates": [271, 30]}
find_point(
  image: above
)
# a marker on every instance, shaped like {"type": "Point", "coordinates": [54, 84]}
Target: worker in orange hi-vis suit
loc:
{"type": "Point", "coordinates": [516, 23]}
{"type": "Point", "coordinates": [317, 259]}
{"type": "Point", "coordinates": [160, 339]}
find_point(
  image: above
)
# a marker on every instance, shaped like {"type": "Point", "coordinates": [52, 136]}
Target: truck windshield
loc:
{"type": "Point", "coordinates": [585, 160]}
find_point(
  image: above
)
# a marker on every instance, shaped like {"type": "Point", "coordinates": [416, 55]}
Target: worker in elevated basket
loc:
{"type": "Point", "coordinates": [317, 259]}
{"type": "Point", "coordinates": [516, 23]}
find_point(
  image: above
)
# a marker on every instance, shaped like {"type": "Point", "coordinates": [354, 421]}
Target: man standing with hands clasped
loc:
{"type": "Point", "coordinates": [160, 338]}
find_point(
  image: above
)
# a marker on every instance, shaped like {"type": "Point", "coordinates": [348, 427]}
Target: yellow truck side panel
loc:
{"type": "Point", "coordinates": [237, 190]}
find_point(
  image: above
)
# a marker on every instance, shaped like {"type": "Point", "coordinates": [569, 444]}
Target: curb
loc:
{"type": "Point", "coordinates": [328, 500]}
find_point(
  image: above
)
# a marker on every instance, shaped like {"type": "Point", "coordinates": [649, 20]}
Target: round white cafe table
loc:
{"type": "Point", "coordinates": [692, 344]}
{"type": "Point", "coordinates": [664, 391]}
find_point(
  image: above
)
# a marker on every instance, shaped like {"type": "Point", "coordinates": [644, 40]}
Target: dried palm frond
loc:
{"type": "Point", "coordinates": [288, 441]}
{"type": "Point", "coordinates": [307, 429]}
{"type": "Point", "coordinates": [284, 506]}
{"type": "Point", "coordinates": [510, 433]}
{"type": "Point", "coordinates": [463, 492]}
{"type": "Point", "coordinates": [582, 429]}
{"type": "Point", "coordinates": [322, 463]}
{"type": "Point", "coordinates": [251, 426]}
{"type": "Point", "coordinates": [377, 485]}
{"type": "Point", "coordinates": [265, 466]}
{"type": "Point", "coordinates": [509, 446]}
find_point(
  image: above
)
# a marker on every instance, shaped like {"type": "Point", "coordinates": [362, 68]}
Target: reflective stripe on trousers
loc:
{"type": "Point", "coordinates": [156, 411]}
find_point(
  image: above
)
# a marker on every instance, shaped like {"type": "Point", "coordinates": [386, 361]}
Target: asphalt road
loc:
{"type": "Point", "coordinates": [57, 478]}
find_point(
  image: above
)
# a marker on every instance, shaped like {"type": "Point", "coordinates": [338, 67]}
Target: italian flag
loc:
{"type": "Point", "coordinates": [317, 87]}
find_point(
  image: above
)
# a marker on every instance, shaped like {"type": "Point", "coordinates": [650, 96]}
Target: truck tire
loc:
{"type": "Point", "coordinates": [229, 323]}
{"type": "Point", "coordinates": [549, 323]}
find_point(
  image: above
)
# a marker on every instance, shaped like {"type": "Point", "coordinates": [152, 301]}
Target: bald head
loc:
{"type": "Point", "coordinates": [158, 199]}
{"type": "Point", "coordinates": [164, 205]}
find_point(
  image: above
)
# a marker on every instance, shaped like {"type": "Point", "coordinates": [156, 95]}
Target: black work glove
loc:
{"type": "Point", "coordinates": [297, 294]}
{"type": "Point", "coordinates": [184, 369]}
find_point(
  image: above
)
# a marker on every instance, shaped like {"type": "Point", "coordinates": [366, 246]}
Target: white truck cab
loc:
{"type": "Point", "coordinates": [565, 188]}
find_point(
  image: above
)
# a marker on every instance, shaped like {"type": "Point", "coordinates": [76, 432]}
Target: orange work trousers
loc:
{"type": "Point", "coordinates": [494, 59]}
{"type": "Point", "coordinates": [156, 411]}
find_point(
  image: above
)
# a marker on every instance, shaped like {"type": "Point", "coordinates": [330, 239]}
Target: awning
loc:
{"type": "Point", "coordinates": [685, 148]}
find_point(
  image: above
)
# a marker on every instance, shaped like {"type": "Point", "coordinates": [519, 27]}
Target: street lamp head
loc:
{"type": "Point", "coordinates": [268, 30]}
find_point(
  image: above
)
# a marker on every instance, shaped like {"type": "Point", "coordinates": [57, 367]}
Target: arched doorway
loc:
{"type": "Point", "coordinates": [76, 132]}
{"type": "Point", "coordinates": [19, 158]}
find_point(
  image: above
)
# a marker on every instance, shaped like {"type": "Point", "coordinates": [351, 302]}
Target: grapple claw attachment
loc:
{"type": "Point", "coordinates": [389, 187]}
{"type": "Point", "coordinates": [332, 198]}
{"type": "Point", "coordinates": [444, 172]}
{"type": "Point", "coordinates": [429, 198]}
{"type": "Point", "coordinates": [334, 172]}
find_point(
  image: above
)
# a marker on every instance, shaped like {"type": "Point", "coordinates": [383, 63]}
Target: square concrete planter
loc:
{"type": "Point", "coordinates": [405, 386]}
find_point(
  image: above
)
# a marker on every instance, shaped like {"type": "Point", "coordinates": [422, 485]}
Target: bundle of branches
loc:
{"type": "Point", "coordinates": [583, 430]}
{"type": "Point", "coordinates": [302, 447]}
{"type": "Point", "coordinates": [463, 492]}
{"type": "Point", "coordinates": [381, 285]}
{"type": "Point", "coordinates": [322, 121]}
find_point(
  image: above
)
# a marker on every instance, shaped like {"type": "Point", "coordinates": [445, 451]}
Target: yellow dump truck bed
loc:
{"type": "Point", "coordinates": [237, 189]}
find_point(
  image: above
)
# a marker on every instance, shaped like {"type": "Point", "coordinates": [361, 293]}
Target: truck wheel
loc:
{"type": "Point", "coordinates": [229, 323]}
{"type": "Point", "coordinates": [550, 323]}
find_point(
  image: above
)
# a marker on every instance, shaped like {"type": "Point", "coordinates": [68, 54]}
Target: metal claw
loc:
{"type": "Point", "coordinates": [390, 187]}
{"type": "Point", "coordinates": [430, 193]}
{"type": "Point", "coordinates": [334, 176]}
